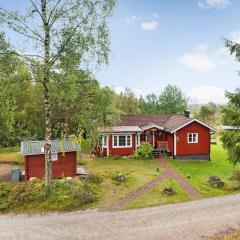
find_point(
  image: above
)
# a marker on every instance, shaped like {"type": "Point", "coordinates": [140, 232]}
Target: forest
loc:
{"type": "Point", "coordinates": [80, 105]}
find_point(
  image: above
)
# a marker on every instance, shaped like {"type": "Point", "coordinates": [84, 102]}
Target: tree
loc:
{"type": "Point", "coordinates": [14, 82]}
{"type": "Point", "coordinates": [149, 104]}
{"type": "Point", "coordinates": [207, 112]}
{"type": "Point", "coordinates": [172, 100]}
{"type": "Point", "coordinates": [231, 116]}
{"type": "Point", "coordinates": [127, 102]}
{"type": "Point", "coordinates": [55, 26]}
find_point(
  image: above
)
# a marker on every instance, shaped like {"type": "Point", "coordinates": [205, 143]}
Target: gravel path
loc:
{"type": "Point", "coordinates": [195, 220]}
{"type": "Point", "coordinates": [168, 173]}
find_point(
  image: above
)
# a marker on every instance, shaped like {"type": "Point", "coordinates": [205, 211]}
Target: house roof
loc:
{"type": "Point", "coordinates": [169, 123]}
{"type": "Point", "coordinates": [119, 129]}
{"type": "Point", "coordinates": [57, 146]}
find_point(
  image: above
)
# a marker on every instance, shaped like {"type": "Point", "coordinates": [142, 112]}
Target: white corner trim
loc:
{"type": "Point", "coordinates": [194, 120]}
{"type": "Point", "coordinates": [175, 143]}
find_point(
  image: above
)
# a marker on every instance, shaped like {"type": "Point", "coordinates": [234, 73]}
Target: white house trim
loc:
{"type": "Point", "coordinates": [175, 143]}
{"type": "Point", "coordinates": [194, 120]}
{"type": "Point", "coordinates": [153, 143]}
{"type": "Point", "coordinates": [151, 125]}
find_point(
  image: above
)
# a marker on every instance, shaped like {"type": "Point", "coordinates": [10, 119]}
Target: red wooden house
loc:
{"type": "Point", "coordinates": [179, 135]}
{"type": "Point", "coordinates": [64, 158]}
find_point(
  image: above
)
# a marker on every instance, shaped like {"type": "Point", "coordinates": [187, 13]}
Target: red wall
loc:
{"type": "Point", "coordinates": [120, 151]}
{"type": "Point", "coordinates": [66, 165]}
{"type": "Point", "coordinates": [203, 145]}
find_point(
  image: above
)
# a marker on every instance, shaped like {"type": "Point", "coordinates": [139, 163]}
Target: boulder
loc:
{"type": "Point", "coordinates": [169, 191]}
{"type": "Point", "coordinates": [121, 178]}
{"type": "Point", "coordinates": [69, 178]}
{"type": "Point", "coordinates": [215, 181]}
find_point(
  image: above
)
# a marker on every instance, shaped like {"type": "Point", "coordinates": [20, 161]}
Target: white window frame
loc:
{"type": "Point", "coordinates": [104, 141]}
{"type": "Point", "coordinates": [54, 156]}
{"type": "Point", "coordinates": [126, 136]}
{"type": "Point", "coordinates": [196, 138]}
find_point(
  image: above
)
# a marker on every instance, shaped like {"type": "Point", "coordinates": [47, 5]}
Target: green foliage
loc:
{"type": "Point", "coordinates": [34, 196]}
{"type": "Point", "coordinates": [171, 101]}
{"type": "Point", "coordinates": [126, 102]}
{"type": "Point", "coordinates": [144, 151]}
{"type": "Point", "coordinates": [231, 116]}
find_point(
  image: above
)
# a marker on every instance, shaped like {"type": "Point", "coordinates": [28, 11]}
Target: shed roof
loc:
{"type": "Point", "coordinates": [57, 146]}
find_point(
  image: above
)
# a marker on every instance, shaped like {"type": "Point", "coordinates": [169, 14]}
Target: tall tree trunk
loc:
{"type": "Point", "coordinates": [46, 78]}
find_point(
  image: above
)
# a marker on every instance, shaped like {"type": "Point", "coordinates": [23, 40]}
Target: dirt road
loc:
{"type": "Point", "coordinates": [199, 219]}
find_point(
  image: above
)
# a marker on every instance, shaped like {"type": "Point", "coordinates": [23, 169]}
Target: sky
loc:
{"type": "Point", "coordinates": [158, 42]}
{"type": "Point", "coordinates": [179, 42]}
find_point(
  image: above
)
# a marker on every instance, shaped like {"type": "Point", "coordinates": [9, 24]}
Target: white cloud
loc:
{"type": "Point", "coordinates": [131, 19]}
{"type": "Point", "coordinates": [235, 36]}
{"type": "Point", "coordinates": [154, 15]}
{"type": "Point", "coordinates": [136, 91]}
{"type": "Point", "coordinates": [205, 94]}
{"type": "Point", "coordinates": [203, 60]}
{"type": "Point", "coordinates": [197, 61]}
{"type": "Point", "coordinates": [213, 3]}
{"type": "Point", "coordinates": [149, 26]}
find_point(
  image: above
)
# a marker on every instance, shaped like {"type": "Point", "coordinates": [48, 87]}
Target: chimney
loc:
{"type": "Point", "coordinates": [186, 113]}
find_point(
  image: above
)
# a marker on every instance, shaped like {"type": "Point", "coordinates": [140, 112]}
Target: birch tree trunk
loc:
{"type": "Point", "coordinates": [46, 78]}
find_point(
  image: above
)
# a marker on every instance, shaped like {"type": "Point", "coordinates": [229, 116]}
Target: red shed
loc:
{"type": "Point", "coordinates": [64, 158]}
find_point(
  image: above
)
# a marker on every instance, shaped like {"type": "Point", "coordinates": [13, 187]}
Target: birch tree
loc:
{"type": "Point", "coordinates": [51, 27]}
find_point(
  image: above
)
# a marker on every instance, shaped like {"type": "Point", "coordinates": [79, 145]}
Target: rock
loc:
{"type": "Point", "coordinates": [121, 178]}
{"type": "Point", "coordinates": [215, 181]}
{"type": "Point", "coordinates": [69, 178]}
{"type": "Point", "coordinates": [169, 191]}
{"type": "Point", "coordinates": [32, 179]}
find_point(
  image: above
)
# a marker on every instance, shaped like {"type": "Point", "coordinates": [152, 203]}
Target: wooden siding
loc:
{"type": "Point", "coordinates": [121, 150]}
{"type": "Point", "coordinates": [66, 165]}
{"type": "Point", "coordinates": [200, 148]}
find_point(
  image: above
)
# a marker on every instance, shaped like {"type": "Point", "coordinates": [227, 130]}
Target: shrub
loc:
{"type": "Point", "coordinates": [236, 174]}
{"type": "Point", "coordinates": [144, 151]}
{"type": "Point", "coordinates": [85, 146]}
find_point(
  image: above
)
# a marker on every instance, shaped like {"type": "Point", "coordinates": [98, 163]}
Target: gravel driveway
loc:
{"type": "Point", "coordinates": [192, 220]}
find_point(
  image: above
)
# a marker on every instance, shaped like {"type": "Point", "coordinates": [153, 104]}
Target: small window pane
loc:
{"type": "Point", "coordinates": [122, 141]}
{"type": "Point", "coordinates": [105, 141]}
{"type": "Point", "coordinates": [115, 141]}
{"type": "Point", "coordinates": [128, 140]}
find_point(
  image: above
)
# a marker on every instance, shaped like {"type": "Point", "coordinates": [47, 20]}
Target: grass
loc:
{"type": "Point", "coordinates": [63, 195]}
{"type": "Point", "coordinates": [199, 172]}
{"type": "Point", "coordinates": [230, 236]}
{"type": "Point", "coordinates": [157, 197]}
{"type": "Point", "coordinates": [11, 156]}
{"type": "Point", "coordinates": [138, 173]}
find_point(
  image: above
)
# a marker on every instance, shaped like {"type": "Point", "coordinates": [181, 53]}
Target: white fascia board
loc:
{"type": "Point", "coordinates": [151, 125]}
{"type": "Point", "coordinates": [194, 120]}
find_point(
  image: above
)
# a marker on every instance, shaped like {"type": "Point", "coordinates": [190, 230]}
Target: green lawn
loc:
{"type": "Point", "coordinates": [11, 155]}
{"type": "Point", "coordinates": [157, 197]}
{"type": "Point", "coordinates": [199, 172]}
{"type": "Point", "coordinates": [138, 173]}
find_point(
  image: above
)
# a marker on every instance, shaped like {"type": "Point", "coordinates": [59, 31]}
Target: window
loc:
{"type": "Point", "coordinates": [54, 156]}
{"type": "Point", "coordinates": [192, 137]}
{"type": "Point", "coordinates": [105, 143]}
{"type": "Point", "coordinates": [122, 140]}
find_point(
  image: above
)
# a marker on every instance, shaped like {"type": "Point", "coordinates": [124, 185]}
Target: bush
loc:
{"type": "Point", "coordinates": [236, 174]}
{"type": "Point", "coordinates": [144, 151]}
{"type": "Point", "coordinates": [85, 146]}
{"type": "Point", "coordinates": [35, 197]}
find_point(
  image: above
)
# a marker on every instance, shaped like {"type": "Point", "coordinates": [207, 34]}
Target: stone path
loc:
{"type": "Point", "coordinates": [168, 173]}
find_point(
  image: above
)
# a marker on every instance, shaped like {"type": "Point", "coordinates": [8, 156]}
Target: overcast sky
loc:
{"type": "Point", "coordinates": [156, 42]}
